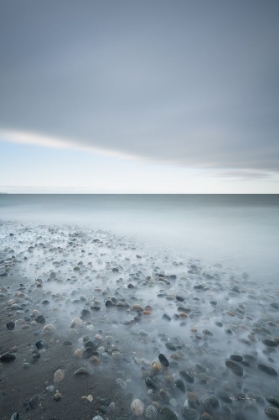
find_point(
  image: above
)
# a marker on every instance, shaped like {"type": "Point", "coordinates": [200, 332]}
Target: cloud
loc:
{"type": "Point", "coordinates": [182, 83]}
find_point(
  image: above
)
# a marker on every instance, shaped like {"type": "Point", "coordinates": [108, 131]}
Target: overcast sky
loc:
{"type": "Point", "coordinates": [179, 95]}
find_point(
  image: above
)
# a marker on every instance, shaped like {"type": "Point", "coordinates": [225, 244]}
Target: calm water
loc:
{"type": "Point", "coordinates": [235, 230]}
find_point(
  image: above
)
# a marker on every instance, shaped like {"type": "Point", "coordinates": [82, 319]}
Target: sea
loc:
{"type": "Point", "coordinates": [238, 231]}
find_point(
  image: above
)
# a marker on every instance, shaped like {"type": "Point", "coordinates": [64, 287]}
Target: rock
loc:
{"type": "Point", "coordinates": [41, 319]}
{"type": "Point", "coordinates": [10, 325]}
{"type": "Point", "coordinates": [137, 407]}
{"type": "Point", "coordinates": [67, 343]}
{"type": "Point", "coordinates": [82, 371]}
{"type": "Point", "coordinates": [48, 328]}
{"type": "Point", "coordinates": [188, 377]}
{"type": "Point", "coordinates": [87, 352]}
{"type": "Point", "coordinates": [78, 353]}
{"type": "Point", "coordinates": [210, 402]}
{"type": "Point", "coordinates": [236, 357]}
{"type": "Point", "coordinates": [267, 369]}
{"type": "Point", "coordinates": [76, 322]}
{"type": "Point", "coordinates": [91, 344]}
{"type": "Point", "coordinates": [151, 412]}
{"type": "Point", "coordinates": [234, 367]}
{"type": "Point", "coordinates": [15, 416]}
{"type": "Point", "coordinates": [97, 418]}
{"type": "Point", "coordinates": [7, 357]}
{"type": "Point", "coordinates": [163, 360]}
{"type": "Point", "coordinates": [167, 413]}
{"type": "Point", "coordinates": [58, 376]}
{"type": "Point", "coordinates": [57, 396]}
{"type": "Point", "coordinates": [40, 344]}
{"type": "Point", "coordinates": [274, 401]}
{"type": "Point", "coordinates": [189, 413]}
{"type": "Point", "coordinates": [180, 385]}
{"type": "Point", "coordinates": [151, 384]}
{"type": "Point", "coordinates": [207, 332]}
{"type": "Point", "coordinates": [171, 346]}
{"type": "Point", "coordinates": [272, 412]}
{"type": "Point", "coordinates": [34, 401]}
{"type": "Point", "coordinates": [270, 343]}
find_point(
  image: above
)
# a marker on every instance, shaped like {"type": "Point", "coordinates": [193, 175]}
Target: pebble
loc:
{"type": "Point", "coordinates": [210, 402]}
{"type": "Point", "coordinates": [163, 360]}
{"type": "Point", "coordinates": [267, 369]}
{"type": "Point", "coordinates": [10, 325]}
{"type": "Point", "coordinates": [272, 412]}
{"type": "Point", "coordinates": [57, 396]}
{"type": "Point", "coordinates": [48, 328]}
{"type": "Point", "coordinates": [7, 357]}
{"type": "Point", "coordinates": [274, 401]}
{"type": "Point", "coordinates": [234, 367]}
{"type": "Point", "coordinates": [58, 376]}
{"type": "Point", "coordinates": [151, 412]}
{"type": "Point", "coordinates": [167, 413]}
{"type": "Point", "coordinates": [189, 413]}
{"type": "Point", "coordinates": [137, 407]}
{"type": "Point", "coordinates": [82, 371]}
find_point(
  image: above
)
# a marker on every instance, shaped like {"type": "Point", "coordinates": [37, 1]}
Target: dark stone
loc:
{"type": "Point", "coordinates": [180, 298]}
{"type": "Point", "coordinates": [10, 325]}
{"type": "Point", "coordinates": [188, 377]}
{"type": "Point", "coordinates": [167, 413]}
{"type": "Point", "coordinates": [164, 361]}
{"type": "Point", "coordinates": [272, 400]}
{"type": "Point", "coordinates": [270, 343]}
{"type": "Point", "coordinates": [41, 319]}
{"type": "Point", "coordinates": [7, 357]}
{"type": "Point", "coordinates": [180, 385]}
{"type": "Point", "coordinates": [151, 384]}
{"type": "Point", "coordinates": [267, 369]}
{"type": "Point", "coordinates": [167, 317]}
{"type": "Point", "coordinates": [272, 412]}
{"type": "Point", "coordinates": [34, 401]}
{"type": "Point", "coordinates": [87, 352]}
{"type": "Point", "coordinates": [45, 302]}
{"type": "Point", "coordinates": [236, 357]}
{"type": "Point", "coordinates": [234, 367]}
{"type": "Point", "coordinates": [67, 343]}
{"type": "Point", "coordinates": [108, 303]}
{"type": "Point", "coordinates": [210, 402]}
{"type": "Point", "coordinates": [40, 344]}
{"type": "Point", "coordinates": [84, 313]}
{"type": "Point", "coordinates": [207, 332]}
{"type": "Point", "coordinates": [171, 346]}
{"type": "Point", "coordinates": [189, 413]}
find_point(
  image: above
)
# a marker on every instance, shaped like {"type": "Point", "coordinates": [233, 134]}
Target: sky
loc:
{"type": "Point", "coordinates": [105, 96]}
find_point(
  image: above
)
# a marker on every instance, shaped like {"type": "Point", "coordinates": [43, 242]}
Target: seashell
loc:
{"type": "Point", "coordinates": [58, 376]}
{"type": "Point", "coordinates": [137, 306]}
{"type": "Point", "coordinates": [137, 407]}
{"type": "Point", "coordinates": [183, 315]}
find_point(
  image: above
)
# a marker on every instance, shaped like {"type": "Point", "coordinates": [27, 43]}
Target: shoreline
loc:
{"type": "Point", "coordinates": [115, 308]}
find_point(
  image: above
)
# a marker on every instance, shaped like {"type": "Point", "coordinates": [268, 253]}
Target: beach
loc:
{"type": "Point", "coordinates": [95, 324]}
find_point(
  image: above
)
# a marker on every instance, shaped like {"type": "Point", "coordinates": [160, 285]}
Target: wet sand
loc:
{"type": "Point", "coordinates": [188, 340]}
